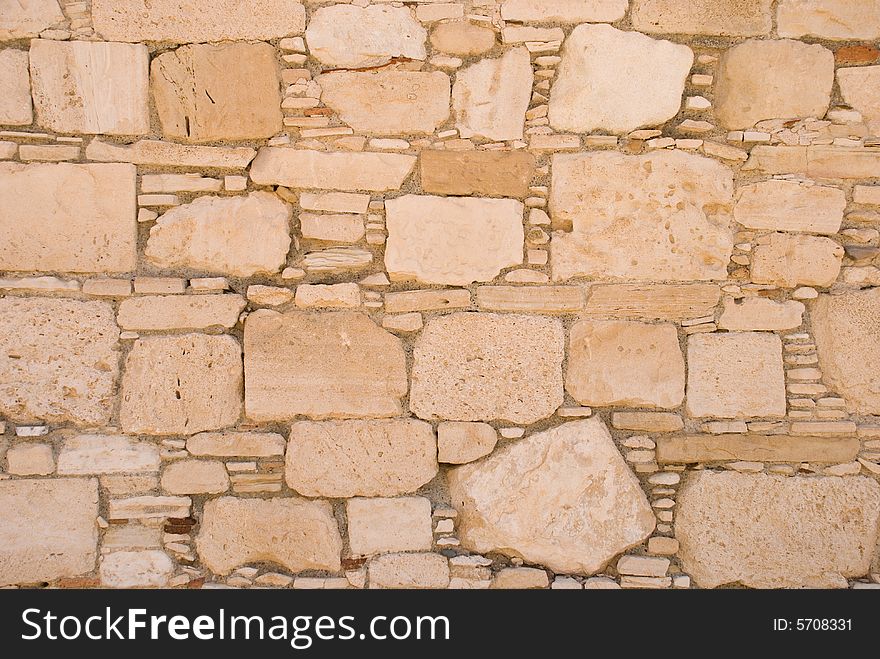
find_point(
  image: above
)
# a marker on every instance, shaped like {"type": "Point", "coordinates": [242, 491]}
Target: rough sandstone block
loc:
{"type": "Point", "coordinates": [860, 87]}
{"type": "Point", "coordinates": [520, 577]}
{"type": "Point", "coordinates": [409, 571]}
{"type": "Point", "coordinates": [759, 313]}
{"type": "Point", "coordinates": [84, 455]}
{"type": "Point", "coordinates": [563, 11]}
{"type": "Point", "coordinates": [790, 260]}
{"type": "Point", "coordinates": [164, 312]}
{"type": "Point", "coordinates": [790, 206]}
{"type": "Point", "coordinates": [463, 39]}
{"type": "Point", "coordinates": [741, 18]}
{"type": "Point", "coordinates": [685, 449]}
{"type": "Point", "coordinates": [386, 525]}
{"type": "Point", "coordinates": [489, 173]}
{"type": "Point", "coordinates": [136, 569]}
{"type": "Point", "coordinates": [652, 301]}
{"type": "Point", "coordinates": [30, 459]}
{"type": "Point", "coordinates": [195, 477]}
{"type": "Point", "coordinates": [15, 88]}
{"type": "Point", "coordinates": [459, 442]}
{"type": "Point", "coordinates": [830, 19]}
{"type": "Point", "coordinates": [237, 444]}
{"type": "Point", "coordinates": [20, 20]}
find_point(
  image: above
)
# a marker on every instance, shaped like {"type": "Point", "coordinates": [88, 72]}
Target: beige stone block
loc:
{"type": "Point", "coordinates": [295, 533]}
{"type": "Point", "coordinates": [653, 301]}
{"type": "Point", "coordinates": [237, 444]}
{"type": "Point", "coordinates": [149, 507]}
{"type": "Point", "coordinates": [459, 442]}
{"type": "Point", "coordinates": [85, 455]}
{"type": "Point", "coordinates": [334, 202]}
{"type": "Point", "coordinates": [164, 312]}
{"type": "Point", "coordinates": [563, 11]}
{"type": "Point", "coordinates": [58, 360]}
{"type": "Point", "coordinates": [577, 504]}
{"type": "Point", "coordinates": [387, 525]}
{"type": "Point", "coordinates": [423, 570]}
{"type": "Point", "coordinates": [520, 578]}
{"type": "Point", "coordinates": [238, 236]}
{"type": "Point", "coordinates": [329, 296]}
{"type": "Point", "coordinates": [458, 240]}
{"type": "Point", "coordinates": [30, 459]}
{"type": "Point", "coordinates": [735, 375]}
{"type": "Point", "coordinates": [462, 38]}
{"type": "Point", "coordinates": [625, 363]}
{"type": "Point", "coordinates": [90, 87]}
{"type": "Point", "coordinates": [195, 477]}
{"type": "Point", "coordinates": [843, 162]}
{"type": "Point", "coordinates": [753, 529]}
{"type": "Point", "coordinates": [340, 459]}
{"type": "Point", "coordinates": [663, 546]}
{"type": "Point", "coordinates": [181, 385]}
{"type": "Point", "coordinates": [772, 79]}
{"type": "Point", "coordinates": [209, 92]}
{"type": "Point", "coordinates": [151, 568]}
{"type": "Point", "coordinates": [759, 313]}
{"type": "Point", "coordinates": [166, 154]}
{"type": "Point", "coordinates": [489, 173]}
{"type": "Point", "coordinates": [617, 81]}
{"type": "Point", "coordinates": [790, 260]}
{"type": "Point", "coordinates": [537, 299]}
{"type": "Point", "coordinates": [490, 98]}
{"type": "Point", "coordinates": [687, 449]}
{"type": "Point", "coordinates": [27, 18]}
{"type": "Point", "coordinates": [643, 566]}
{"type": "Point", "coordinates": [790, 206]}
{"type": "Point", "coordinates": [427, 300]}
{"type": "Point", "coordinates": [670, 219]}
{"type": "Point", "coordinates": [829, 19]}
{"type": "Point", "coordinates": [485, 366]}
{"type": "Point", "coordinates": [15, 88]}
{"type": "Point", "coordinates": [388, 102]}
{"type": "Point", "coordinates": [271, 296]}
{"type": "Point", "coordinates": [179, 183]}
{"type": "Point", "coordinates": [330, 364]}
{"type": "Point", "coordinates": [68, 218]}
{"type": "Point", "coordinates": [742, 18]}
{"type": "Point", "coordinates": [860, 88]}
{"type": "Point", "coordinates": [647, 421]}
{"type": "Point", "coordinates": [48, 529]}
{"type": "Point", "coordinates": [337, 228]}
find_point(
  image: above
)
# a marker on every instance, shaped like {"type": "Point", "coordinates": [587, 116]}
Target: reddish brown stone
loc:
{"type": "Point", "coordinates": [861, 54]}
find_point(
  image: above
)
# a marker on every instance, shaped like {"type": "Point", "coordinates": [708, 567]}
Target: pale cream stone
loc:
{"type": "Point", "coordinates": [346, 36]}
{"type": "Point", "coordinates": [643, 566]}
{"type": "Point", "coordinates": [303, 168]}
{"type": "Point", "coordinates": [149, 507]}
{"type": "Point", "coordinates": [334, 202]}
{"type": "Point", "coordinates": [181, 385]}
{"type": "Point", "coordinates": [328, 296]}
{"type": "Point", "coordinates": [294, 533]}
{"type": "Point", "coordinates": [48, 529]}
{"type": "Point", "coordinates": [15, 88]}
{"type": "Point", "coordinates": [759, 313]}
{"type": "Point", "coordinates": [647, 421]}
{"type": "Point", "coordinates": [236, 444]}
{"type": "Point", "coordinates": [563, 498]}
{"type": "Point", "coordinates": [427, 300]}
{"type": "Point", "coordinates": [151, 568]}
{"type": "Point", "coordinates": [744, 18]}
{"type": "Point", "coordinates": [90, 86]}
{"type": "Point", "coordinates": [459, 442]}
{"type": "Point", "coordinates": [271, 296]}
{"type": "Point", "coordinates": [59, 360]}
{"type": "Point", "coordinates": [860, 87]}
{"type": "Point", "coordinates": [195, 477]}
{"type": "Point", "coordinates": [537, 299]}
{"type": "Point", "coordinates": [27, 18]}
{"type": "Point", "coordinates": [735, 375]}
{"type": "Point", "coordinates": [462, 38]}
{"type": "Point", "coordinates": [772, 79]}
{"type": "Point", "coordinates": [489, 173]}
{"type": "Point", "coordinates": [330, 364]}
{"type": "Point", "coordinates": [360, 458]}
{"type": "Point", "coordinates": [753, 529]}
{"type": "Point", "coordinates": [388, 102]}
{"type": "Point", "coordinates": [663, 215]}
{"type": "Point", "coordinates": [485, 366]}
{"type": "Point", "coordinates": [845, 330]}
{"type": "Point", "coordinates": [179, 183]}
{"type": "Point", "coordinates": [209, 92]}
{"type": "Point", "coordinates": [182, 21]}
{"type": "Point", "coordinates": [520, 577]}
{"type": "Point", "coordinates": [490, 98]}
{"type": "Point", "coordinates": [625, 363]}
{"type": "Point", "coordinates": [652, 301]}
{"type": "Point", "coordinates": [452, 240]}
{"type": "Point", "coordinates": [789, 260]}
{"type": "Point", "coordinates": [830, 19]}
{"type": "Point", "coordinates": [237, 236]}
{"type": "Point", "coordinates": [166, 154]}
{"type": "Point", "coordinates": [30, 459]}
{"type": "Point", "coordinates": [424, 570]}
{"type": "Point", "coordinates": [85, 455]}
{"type": "Point", "coordinates": [66, 217]}
{"type": "Point", "coordinates": [617, 81]}
{"type": "Point", "coordinates": [385, 525]}
{"type": "Point", "coordinates": [783, 205]}
{"type": "Point", "coordinates": [563, 11]}
{"type": "Point", "coordinates": [164, 312]}
{"type": "Point", "coordinates": [687, 449]}
{"type": "Point", "coordinates": [339, 228]}
{"type": "Point", "coordinates": [407, 322]}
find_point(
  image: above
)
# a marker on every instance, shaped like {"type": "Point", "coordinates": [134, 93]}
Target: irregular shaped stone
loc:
{"type": "Point", "coordinates": [48, 529]}
{"type": "Point", "coordinates": [772, 79]}
{"type": "Point", "coordinates": [163, 312]}
{"type": "Point", "coordinates": [331, 364]}
{"type": "Point", "coordinates": [688, 449]}
{"type": "Point", "coordinates": [21, 19]}
{"type": "Point", "coordinates": [182, 21]}
{"type": "Point", "coordinates": [759, 313]}
{"type": "Point", "coordinates": [383, 525]}
{"type": "Point", "coordinates": [735, 375]}
{"type": "Point", "coordinates": [425, 570]}
{"type": "Point", "coordinates": [68, 217]}
{"type": "Point", "coordinates": [490, 98]}
{"type": "Point", "coordinates": [625, 363]}
{"type": "Point", "coordinates": [783, 205]}
{"type": "Point", "coordinates": [328, 296]}
{"type": "Point", "coordinates": [58, 360]}
{"type": "Point", "coordinates": [441, 240]}
{"type": "Point", "coordinates": [563, 11]}
{"type": "Point", "coordinates": [845, 330]}
{"type": "Point", "coordinates": [489, 173]}
{"type": "Point", "coordinates": [663, 215]}
{"type": "Point", "coordinates": [388, 102]}
{"type": "Point", "coordinates": [15, 88]}
{"type": "Point", "coordinates": [165, 154]}
{"type": "Point", "coordinates": [860, 87]}
{"type": "Point", "coordinates": [90, 86]}
{"type": "Point", "coordinates": [829, 19]}
{"type": "Point", "coordinates": [653, 301]}
{"type": "Point", "coordinates": [485, 366]}
{"type": "Point", "coordinates": [563, 498]}
{"type": "Point", "coordinates": [302, 168]}
{"type": "Point", "coordinates": [459, 442]}
{"type": "Point", "coordinates": [236, 444]}
{"type": "Point", "coordinates": [768, 531]}
{"type": "Point", "coordinates": [238, 236]}
{"type": "Point", "coordinates": [209, 92]}
{"type": "Point", "coordinates": [151, 568]}
{"type": "Point", "coordinates": [617, 81]}
{"type": "Point", "coordinates": [742, 18]}
{"type": "Point", "coordinates": [294, 533]}
{"type": "Point", "coordinates": [195, 477]}
{"type": "Point", "coordinates": [462, 38]}
{"type": "Point", "coordinates": [789, 260]}
{"type": "Point", "coordinates": [360, 458]}
{"type": "Point", "coordinates": [346, 36]}
{"type": "Point", "coordinates": [511, 578]}
{"type": "Point", "coordinates": [181, 385]}
{"type": "Point", "coordinates": [84, 455]}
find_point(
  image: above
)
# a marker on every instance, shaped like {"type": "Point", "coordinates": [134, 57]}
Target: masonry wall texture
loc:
{"type": "Point", "coordinates": [421, 294]}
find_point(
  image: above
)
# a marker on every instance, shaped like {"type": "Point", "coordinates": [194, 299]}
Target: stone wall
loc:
{"type": "Point", "coordinates": [517, 294]}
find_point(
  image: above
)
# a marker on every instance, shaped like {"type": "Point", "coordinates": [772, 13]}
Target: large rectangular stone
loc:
{"type": "Point", "coordinates": [427, 300]}
{"type": "Point", "coordinates": [687, 449]}
{"type": "Point", "coordinates": [653, 301]}
{"type": "Point", "coordinates": [491, 173]}
{"type": "Point", "coordinates": [536, 299]}
{"type": "Point", "coordinates": [163, 312]}
{"type": "Point", "coordinates": [816, 161]}
{"type": "Point", "coordinates": [167, 154]}
{"type": "Point", "coordinates": [68, 217]}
